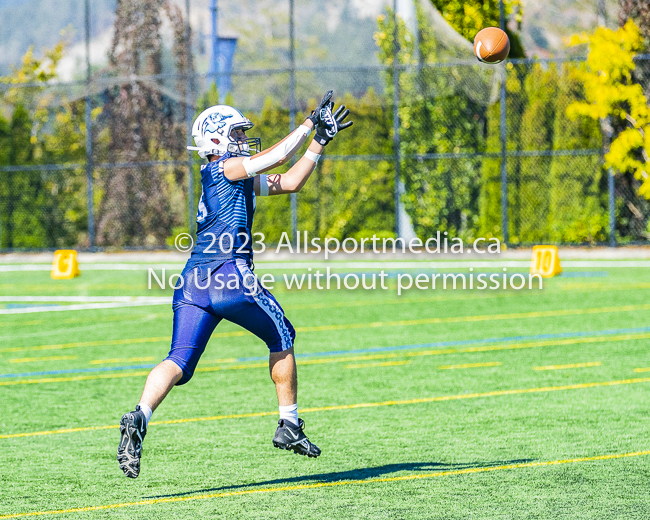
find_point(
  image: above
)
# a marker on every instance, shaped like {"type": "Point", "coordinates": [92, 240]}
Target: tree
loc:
{"type": "Point", "coordinates": [438, 116]}
{"type": "Point", "coordinates": [532, 188]}
{"type": "Point", "coordinates": [469, 17]}
{"type": "Point", "coordinates": [39, 125]}
{"type": "Point", "coordinates": [146, 121]}
{"type": "Point", "coordinates": [490, 168]}
{"type": "Point", "coordinates": [639, 12]}
{"type": "Point", "coordinates": [578, 193]}
{"type": "Point", "coordinates": [612, 94]}
{"type": "Point", "coordinates": [348, 198]}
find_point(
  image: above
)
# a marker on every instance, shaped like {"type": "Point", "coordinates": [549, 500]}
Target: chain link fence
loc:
{"type": "Point", "coordinates": [480, 151]}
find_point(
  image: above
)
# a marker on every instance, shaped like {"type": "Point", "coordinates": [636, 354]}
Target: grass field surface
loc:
{"type": "Point", "coordinates": [435, 404]}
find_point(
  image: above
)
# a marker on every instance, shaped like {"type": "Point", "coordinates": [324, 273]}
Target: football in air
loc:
{"type": "Point", "coordinates": [491, 45]}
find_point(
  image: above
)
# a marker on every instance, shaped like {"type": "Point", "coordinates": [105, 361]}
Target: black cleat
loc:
{"type": "Point", "coordinates": [290, 437]}
{"type": "Point", "coordinates": [133, 429]}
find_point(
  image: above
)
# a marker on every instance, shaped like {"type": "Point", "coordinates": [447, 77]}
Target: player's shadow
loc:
{"type": "Point", "coordinates": [358, 474]}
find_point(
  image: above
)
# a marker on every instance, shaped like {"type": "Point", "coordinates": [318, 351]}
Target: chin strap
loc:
{"type": "Point", "coordinates": [283, 151]}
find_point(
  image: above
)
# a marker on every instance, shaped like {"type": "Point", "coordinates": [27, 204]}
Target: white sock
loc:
{"type": "Point", "coordinates": [148, 412]}
{"type": "Point", "coordinates": [290, 413]}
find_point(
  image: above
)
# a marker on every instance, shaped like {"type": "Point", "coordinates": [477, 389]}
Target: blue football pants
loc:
{"type": "Point", "coordinates": [199, 309]}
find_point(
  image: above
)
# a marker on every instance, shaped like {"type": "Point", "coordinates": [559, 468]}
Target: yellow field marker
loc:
{"type": "Point", "coordinates": [298, 487]}
{"type": "Point", "coordinates": [419, 400]}
{"type": "Point", "coordinates": [380, 364]}
{"type": "Point", "coordinates": [570, 365]}
{"type": "Point", "coordinates": [121, 360]}
{"type": "Point", "coordinates": [35, 359]}
{"type": "Point", "coordinates": [471, 365]}
{"type": "Point", "coordinates": [644, 369]}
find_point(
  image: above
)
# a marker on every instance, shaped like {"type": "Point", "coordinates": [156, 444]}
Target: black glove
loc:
{"type": "Point", "coordinates": [314, 117]}
{"type": "Point", "coordinates": [331, 124]}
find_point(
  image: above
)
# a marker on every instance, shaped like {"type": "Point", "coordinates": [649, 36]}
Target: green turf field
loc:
{"type": "Point", "coordinates": [437, 404]}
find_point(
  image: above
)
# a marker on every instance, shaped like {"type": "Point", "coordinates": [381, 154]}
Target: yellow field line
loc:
{"type": "Point", "coordinates": [572, 286]}
{"type": "Point", "coordinates": [380, 364]}
{"type": "Point", "coordinates": [121, 360]}
{"type": "Point", "coordinates": [396, 301]}
{"type": "Point", "coordinates": [298, 487]}
{"type": "Point", "coordinates": [644, 369]}
{"type": "Point", "coordinates": [35, 359]}
{"type": "Point", "coordinates": [548, 343]}
{"type": "Point", "coordinates": [80, 344]}
{"type": "Point", "coordinates": [569, 286]}
{"type": "Point", "coordinates": [482, 317]}
{"type": "Point", "coordinates": [420, 400]}
{"type": "Point", "coordinates": [100, 343]}
{"type": "Point", "coordinates": [73, 378]}
{"type": "Point", "coordinates": [471, 365]}
{"type": "Point", "coordinates": [570, 365]}
{"type": "Point", "coordinates": [233, 367]}
{"type": "Point", "coordinates": [485, 348]}
{"type": "Point", "coordinates": [130, 317]}
{"type": "Point", "coordinates": [349, 326]}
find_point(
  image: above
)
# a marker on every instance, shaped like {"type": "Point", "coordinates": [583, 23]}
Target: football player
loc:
{"type": "Point", "coordinates": [232, 179]}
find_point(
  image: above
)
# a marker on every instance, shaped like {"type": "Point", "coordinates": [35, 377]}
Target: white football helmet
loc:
{"type": "Point", "coordinates": [214, 133]}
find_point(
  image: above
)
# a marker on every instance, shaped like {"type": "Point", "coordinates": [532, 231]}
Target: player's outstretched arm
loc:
{"type": "Point", "coordinates": [298, 174]}
{"type": "Point", "coordinates": [238, 168]}
{"type": "Point", "coordinates": [293, 180]}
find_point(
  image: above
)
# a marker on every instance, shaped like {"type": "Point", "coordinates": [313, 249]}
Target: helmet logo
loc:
{"type": "Point", "coordinates": [214, 123]}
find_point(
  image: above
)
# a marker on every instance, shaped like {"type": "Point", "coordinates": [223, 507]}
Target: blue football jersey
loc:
{"type": "Point", "coordinates": [224, 218]}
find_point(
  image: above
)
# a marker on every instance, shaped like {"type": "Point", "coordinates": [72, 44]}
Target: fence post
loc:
{"type": "Point", "coordinates": [396, 125]}
{"type": "Point", "coordinates": [188, 122]}
{"type": "Point", "coordinates": [89, 134]}
{"type": "Point", "coordinates": [292, 111]}
{"type": "Point", "coordinates": [612, 207]}
{"type": "Point", "coordinates": [606, 127]}
{"type": "Point", "coordinates": [503, 137]}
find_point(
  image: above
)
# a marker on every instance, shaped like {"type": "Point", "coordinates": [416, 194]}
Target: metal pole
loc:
{"type": "Point", "coordinates": [214, 65]}
{"type": "Point", "coordinates": [503, 137]}
{"type": "Point", "coordinates": [612, 207]}
{"type": "Point", "coordinates": [396, 125]}
{"type": "Point", "coordinates": [292, 110]}
{"type": "Point", "coordinates": [89, 135]}
{"type": "Point", "coordinates": [188, 120]}
{"type": "Point", "coordinates": [602, 13]}
{"type": "Point", "coordinates": [608, 131]}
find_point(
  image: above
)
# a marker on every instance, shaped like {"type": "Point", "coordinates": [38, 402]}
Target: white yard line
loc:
{"type": "Point", "coordinates": [272, 266]}
{"type": "Point", "coordinates": [82, 307]}
{"type": "Point", "coordinates": [87, 299]}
